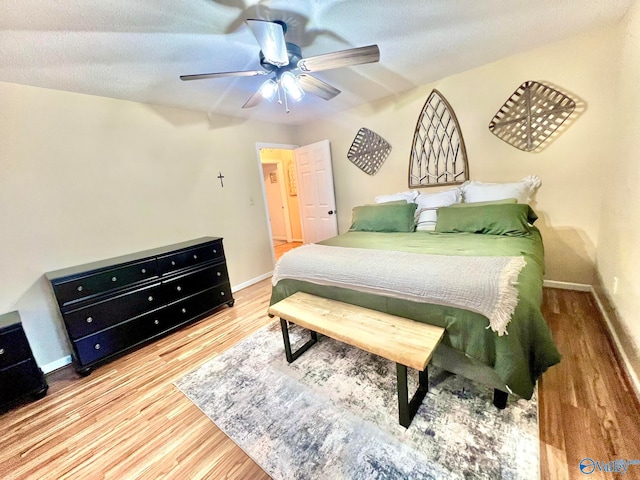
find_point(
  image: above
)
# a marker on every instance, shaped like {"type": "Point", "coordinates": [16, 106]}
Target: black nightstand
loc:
{"type": "Point", "coordinates": [20, 376]}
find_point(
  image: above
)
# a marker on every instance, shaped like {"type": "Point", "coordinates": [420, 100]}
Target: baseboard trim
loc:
{"type": "Point", "coordinates": [253, 281]}
{"type": "Point", "coordinates": [56, 364]}
{"type": "Point", "coordinates": [628, 368]}
{"type": "Point", "coordinates": [580, 287]}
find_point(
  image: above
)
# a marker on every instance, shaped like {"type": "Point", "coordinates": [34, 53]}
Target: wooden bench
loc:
{"type": "Point", "coordinates": [406, 342]}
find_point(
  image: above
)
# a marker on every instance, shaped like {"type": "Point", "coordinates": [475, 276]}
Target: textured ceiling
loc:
{"type": "Point", "coordinates": [136, 50]}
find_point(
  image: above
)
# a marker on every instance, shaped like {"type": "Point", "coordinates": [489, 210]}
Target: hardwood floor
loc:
{"type": "Point", "coordinates": [588, 408]}
{"type": "Point", "coordinates": [127, 420]}
{"type": "Point", "coordinates": [284, 248]}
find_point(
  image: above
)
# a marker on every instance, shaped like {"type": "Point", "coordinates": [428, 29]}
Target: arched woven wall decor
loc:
{"type": "Point", "coordinates": [368, 151]}
{"type": "Point", "coordinates": [531, 115]}
{"type": "Point", "coordinates": [438, 154]}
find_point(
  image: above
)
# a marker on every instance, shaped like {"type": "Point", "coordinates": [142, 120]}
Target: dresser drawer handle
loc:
{"type": "Point", "coordinates": [222, 293]}
{"type": "Point", "coordinates": [80, 288]}
{"type": "Point", "coordinates": [195, 257]}
{"type": "Point", "coordinates": [114, 279]}
{"type": "Point", "coordinates": [150, 298]}
{"type": "Point", "coordinates": [89, 319]}
{"type": "Point", "coordinates": [215, 251]}
{"type": "Point", "coordinates": [179, 288]}
{"type": "Point", "coordinates": [219, 274]}
{"type": "Point", "coordinates": [1, 351]}
{"type": "Point", "coordinates": [173, 262]}
{"type": "Point", "coordinates": [157, 322]}
{"type": "Point", "coordinates": [184, 310]}
{"type": "Point", "coordinates": [97, 346]}
{"type": "Point", "coordinates": [144, 270]}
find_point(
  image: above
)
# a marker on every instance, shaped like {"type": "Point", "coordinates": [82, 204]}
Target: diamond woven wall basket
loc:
{"type": "Point", "coordinates": [368, 151]}
{"type": "Point", "coordinates": [438, 154]}
{"type": "Point", "coordinates": [531, 115]}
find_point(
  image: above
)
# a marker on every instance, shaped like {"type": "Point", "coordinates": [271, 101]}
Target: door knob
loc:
{"type": "Point", "coordinates": [330, 212]}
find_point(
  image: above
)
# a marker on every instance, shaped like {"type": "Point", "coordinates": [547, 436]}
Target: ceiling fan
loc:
{"type": "Point", "coordinates": [288, 72]}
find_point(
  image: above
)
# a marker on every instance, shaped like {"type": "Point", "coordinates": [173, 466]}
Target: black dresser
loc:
{"type": "Point", "coordinates": [115, 305]}
{"type": "Point", "coordinates": [20, 376]}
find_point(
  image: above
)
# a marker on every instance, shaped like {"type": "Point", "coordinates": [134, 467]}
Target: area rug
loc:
{"type": "Point", "coordinates": [333, 414]}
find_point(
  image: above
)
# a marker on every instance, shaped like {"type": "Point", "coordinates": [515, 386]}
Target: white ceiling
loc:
{"type": "Point", "coordinates": [136, 50]}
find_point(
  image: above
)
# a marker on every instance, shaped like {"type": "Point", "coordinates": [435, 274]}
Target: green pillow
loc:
{"type": "Point", "coordinates": [510, 219]}
{"type": "Point", "coordinates": [488, 202]}
{"type": "Point", "coordinates": [393, 202]}
{"type": "Point", "coordinates": [384, 217]}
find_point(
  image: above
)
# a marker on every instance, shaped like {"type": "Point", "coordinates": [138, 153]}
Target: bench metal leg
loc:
{"type": "Point", "coordinates": [500, 398]}
{"type": "Point", "coordinates": [407, 409]}
{"type": "Point", "coordinates": [287, 343]}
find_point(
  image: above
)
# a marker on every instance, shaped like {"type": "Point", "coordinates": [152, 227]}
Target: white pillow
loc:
{"type": "Point", "coordinates": [428, 204]}
{"type": "Point", "coordinates": [522, 191]}
{"type": "Point", "coordinates": [440, 199]}
{"type": "Point", "coordinates": [427, 220]}
{"type": "Point", "coordinates": [409, 196]}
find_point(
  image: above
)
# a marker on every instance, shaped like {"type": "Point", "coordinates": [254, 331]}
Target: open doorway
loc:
{"type": "Point", "coordinates": [275, 190]}
{"type": "Point", "coordinates": [280, 187]}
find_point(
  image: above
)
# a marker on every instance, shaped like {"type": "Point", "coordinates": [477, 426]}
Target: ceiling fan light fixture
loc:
{"type": "Point", "coordinates": [291, 86]}
{"type": "Point", "coordinates": [269, 89]}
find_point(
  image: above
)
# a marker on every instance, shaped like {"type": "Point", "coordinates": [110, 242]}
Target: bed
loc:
{"type": "Point", "coordinates": [508, 359]}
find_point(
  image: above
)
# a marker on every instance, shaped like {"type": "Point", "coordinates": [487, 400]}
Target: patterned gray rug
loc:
{"type": "Point", "coordinates": [332, 414]}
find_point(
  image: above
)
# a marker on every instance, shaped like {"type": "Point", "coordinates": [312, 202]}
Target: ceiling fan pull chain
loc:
{"type": "Point", "coordinates": [286, 104]}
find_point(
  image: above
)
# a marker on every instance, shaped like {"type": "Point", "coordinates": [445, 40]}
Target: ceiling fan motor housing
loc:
{"type": "Point", "coordinates": [295, 55]}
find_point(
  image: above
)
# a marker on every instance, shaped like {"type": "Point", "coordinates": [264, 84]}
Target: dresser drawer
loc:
{"type": "Point", "coordinates": [196, 305]}
{"type": "Point", "coordinates": [190, 258]}
{"type": "Point", "coordinates": [13, 347]}
{"type": "Point", "coordinates": [20, 380]}
{"type": "Point", "coordinates": [194, 282]}
{"type": "Point", "coordinates": [112, 311]}
{"type": "Point", "coordinates": [120, 337]}
{"type": "Point", "coordinates": [104, 281]}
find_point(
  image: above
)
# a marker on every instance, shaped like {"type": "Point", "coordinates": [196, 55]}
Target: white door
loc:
{"type": "Point", "coordinates": [315, 192]}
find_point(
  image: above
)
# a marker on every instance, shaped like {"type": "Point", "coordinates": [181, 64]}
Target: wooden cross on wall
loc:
{"type": "Point", "coordinates": [220, 176]}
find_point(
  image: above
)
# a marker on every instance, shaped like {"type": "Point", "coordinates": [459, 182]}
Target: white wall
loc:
{"type": "Point", "coordinates": [571, 167]}
{"type": "Point", "coordinates": [618, 254]}
{"type": "Point", "coordinates": [85, 178]}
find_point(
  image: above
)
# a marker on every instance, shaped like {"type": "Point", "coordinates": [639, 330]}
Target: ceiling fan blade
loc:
{"type": "Point", "coordinates": [270, 37]}
{"type": "Point", "coordinates": [254, 100]}
{"type": "Point", "coordinates": [317, 87]}
{"type": "Point", "coordinates": [247, 73]}
{"type": "Point", "coordinates": [343, 58]}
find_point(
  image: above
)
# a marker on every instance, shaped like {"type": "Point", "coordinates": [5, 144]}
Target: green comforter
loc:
{"type": "Point", "coordinates": [518, 358]}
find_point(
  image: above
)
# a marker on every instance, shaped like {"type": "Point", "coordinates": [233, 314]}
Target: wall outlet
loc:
{"type": "Point", "coordinates": [614, 285]}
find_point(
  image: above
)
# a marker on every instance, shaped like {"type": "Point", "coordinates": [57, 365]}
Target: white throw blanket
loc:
{"type": "Point", "coordinates": [484, 285]}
